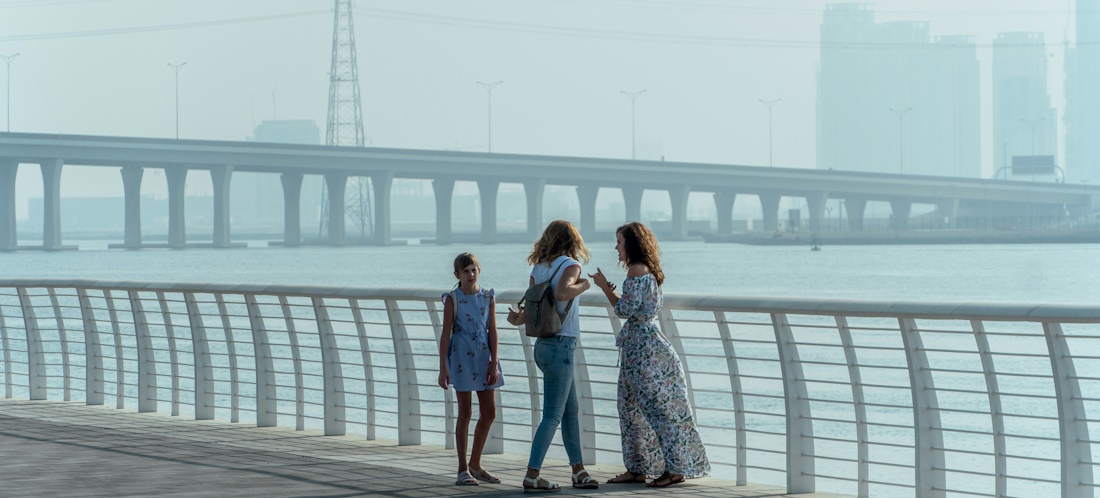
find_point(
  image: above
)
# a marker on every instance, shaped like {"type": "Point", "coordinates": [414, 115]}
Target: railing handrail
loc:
{"type": "Point", "coordinates": [818, 306]}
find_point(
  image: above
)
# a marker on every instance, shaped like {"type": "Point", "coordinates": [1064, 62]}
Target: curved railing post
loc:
{"type": "Point", "coordinates": [63, 339]}
{"type": "Point", "coordinates": [296, 357]}
{"type": "Point", "coordinates": [586, 408]}
{"type": "Point", "coordinates": [36, 361]}
{"type": "Point", "coordinates": [532, 379]}
{"type": "Point", "coordinates": [1000, 461]}
{"type": "Point", "coordinates": [120, 360]}
{"type": "Point", "coordinates": [173, 358]}
{"type": "Point", "coordinates": [408, 408]}
{"type": "Point", "coordinates": [266, 403]}
{"type": "Point", "coordinates": [928, 458]}
{"type": "Point", "coordinates": [448, 397]}
{"type": "Point", "coordinates": [672, 334]}
{"type": "Point", "coordinates": [368, 365]}
{"type": "Point", "coordinates": [800, 429]}
{"type": "Point", "coordinates": [231, 350]}
{"type": "Point", "coordinates": [147, 378]}
{"type": "Point", "coordinates": [862, 451]}
{"type": "Point", "coordinates": [331, 368]}
{"type": "Point", "coordinates": [200, 347]}
{"type": "Point", "coordinates": [738, 397]}
{"type": "Point", "coordinates": [1076, 448]}
{"type": "Point", "coordinates": [93, 353]}
{"type": "Point", "coordinates": [7, 356]}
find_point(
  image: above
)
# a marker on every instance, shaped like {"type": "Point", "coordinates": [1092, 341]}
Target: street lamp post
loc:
{"type": "Point", "coordinates": [176, 68]}
{"type": "Point", "coordinates": [901, 136]}
{"type": "Point", "coordinates": [489, 90]}
{"type": "Point", "coordinates": [7, 64]}
{"type": "Point", "coordinates": [770, 104]}
{"type": "Point", "coordinates": [1032, 123]}
{"type": "Point", "coordinates": [633, 98]}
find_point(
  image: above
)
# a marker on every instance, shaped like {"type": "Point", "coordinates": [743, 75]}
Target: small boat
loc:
{"type": "Point", "coordinates": [815, 244]}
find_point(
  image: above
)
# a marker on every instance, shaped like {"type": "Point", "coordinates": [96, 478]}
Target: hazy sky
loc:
{"type": "Point", "coordinates": [100, 67]}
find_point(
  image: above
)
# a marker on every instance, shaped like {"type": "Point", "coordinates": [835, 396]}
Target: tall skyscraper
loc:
{"type": "Point", "coordinates": [1082, 116]}
{"type": "Point", "coordinates": [892, 100]}
{"type": "Point", "coordinates": [1024, 121]}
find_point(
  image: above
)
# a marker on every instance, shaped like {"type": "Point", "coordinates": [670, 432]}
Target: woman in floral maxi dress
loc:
{"type": "Point", "coordinates": [658, 430]}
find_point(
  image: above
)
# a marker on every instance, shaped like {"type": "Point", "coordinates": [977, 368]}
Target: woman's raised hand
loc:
{"type": "Point", "coordinates": [601, 280]}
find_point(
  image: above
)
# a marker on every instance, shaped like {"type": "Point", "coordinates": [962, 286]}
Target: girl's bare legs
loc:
{"type": "Point", "coordinates": [486, 402]}
{"type": "Point", "coordinates": [462, 429]}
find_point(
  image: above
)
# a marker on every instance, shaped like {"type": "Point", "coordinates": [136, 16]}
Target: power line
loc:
{"type": "Point", "coordinates": [727, 7]}
{"type": "Point", "coordinates": [157, 27]}
{"type": "Point", "coordinates": [528, 28]}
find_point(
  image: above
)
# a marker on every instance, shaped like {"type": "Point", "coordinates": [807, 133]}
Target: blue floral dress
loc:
{"type": "Point", "coordinates": [468, 355]}
{"type": "Point", "coordinates": [658, 429]}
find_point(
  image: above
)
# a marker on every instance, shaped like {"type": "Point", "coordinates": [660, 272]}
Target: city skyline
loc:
{"type": "Point", "coordinates": [694, 110]}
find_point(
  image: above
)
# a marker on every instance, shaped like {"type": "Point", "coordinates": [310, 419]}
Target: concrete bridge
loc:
{"type": "Point", "coordinates": [221, 159]}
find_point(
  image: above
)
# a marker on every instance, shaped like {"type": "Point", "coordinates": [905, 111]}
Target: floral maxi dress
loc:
{"type": "Point", "coordinates": [658, 429]}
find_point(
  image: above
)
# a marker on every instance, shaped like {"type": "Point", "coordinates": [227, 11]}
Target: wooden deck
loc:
{"type": "Point", "coordinates": [52, 448]}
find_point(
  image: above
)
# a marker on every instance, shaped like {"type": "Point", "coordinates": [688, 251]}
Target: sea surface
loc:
{"type": "Point", "coordinates": [1025, 273]}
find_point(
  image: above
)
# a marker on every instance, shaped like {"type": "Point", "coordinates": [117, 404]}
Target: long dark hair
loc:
{"type": "Point", "coordinates": [640, 246]}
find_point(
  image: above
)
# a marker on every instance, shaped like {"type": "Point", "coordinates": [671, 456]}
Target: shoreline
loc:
{"type": "Point", "coordinates": [909, 238]}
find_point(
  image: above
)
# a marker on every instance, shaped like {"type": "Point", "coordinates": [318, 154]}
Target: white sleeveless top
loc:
{"type": "Point", "coordinates": [571, 325]}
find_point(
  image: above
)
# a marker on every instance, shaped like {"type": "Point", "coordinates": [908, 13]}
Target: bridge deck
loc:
{"type": "Point", "coordinates": [69, 449]}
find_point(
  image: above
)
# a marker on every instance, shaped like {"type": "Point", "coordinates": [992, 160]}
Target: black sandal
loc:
{"type": "Point", "coordinates": [633, 478]}
{"type": "Point", "coordinates": [665, 480]}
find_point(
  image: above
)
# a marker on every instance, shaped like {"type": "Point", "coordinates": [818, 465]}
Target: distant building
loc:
{"type": "Point", "coordinates": [1082, 116]}
{"type": "Point", "coordinates": [1024, 121]}
{"type": "Point", "coordinates": [256, 201]}
{"type": "Point", "coordinates": [868, 68]}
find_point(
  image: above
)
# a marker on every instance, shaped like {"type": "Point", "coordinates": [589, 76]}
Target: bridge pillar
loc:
{"type": "Point", "coordinates": [51, 203]}
{"type": "Point", "coordinates": [854, 209]}
{"type": "Point", "coordinates": [487, 189]}
{"type": "Point", "coordinates": [177, 179]}
{"type": "Point", "coordinates": [899, 215]}
{"type": "Point", "coordinates": [220, 176]}
{"type": "Point", "coordinates": [8, 238]}
{"type": "Point", "coordinates": [587, 195]}
{"type": "Point", "coordinates": [723, 201]}
{"type": "Point", "coordinates": [632, 201]}
{"type": "Point", "coordinates": [769, 203]}
{"type": "Point", "coordinates": [816, 202]}
{"type": "Point", "coordinates": [131, 187]}
{"type": "Point", "coordinates": [292, 208]}
{"type": "Point", "coordinates": [337, 184]}
{"type": "Point", "coordinates": [948, 210]}
{"type": "Point", "coordinates": [382, 183]}
{"type": "Point", "coordinates": [533, 190]}
{"type": "Point", "coordinates": [678, 196]}
{"type": "Point", "coordinates": [444, 190]}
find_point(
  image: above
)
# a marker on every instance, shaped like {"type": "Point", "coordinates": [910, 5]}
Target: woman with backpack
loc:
{"type": "Point", "coordinates": [658, 430]}
{"type": "Point", "coordinates": [554, 259]}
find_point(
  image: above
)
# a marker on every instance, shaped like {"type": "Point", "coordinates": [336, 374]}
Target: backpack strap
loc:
{"type": "Point", "coordinates": [454, 304]}
{"type": "Point", "coordinates": [552, 275]}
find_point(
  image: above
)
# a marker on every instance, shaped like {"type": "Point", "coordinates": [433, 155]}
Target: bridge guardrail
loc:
{"type": "Point", "coordinates": [856, 397]}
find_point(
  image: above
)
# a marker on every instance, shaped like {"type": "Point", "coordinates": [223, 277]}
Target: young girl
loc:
{"type": "Point", "coordinates": [468, 361]}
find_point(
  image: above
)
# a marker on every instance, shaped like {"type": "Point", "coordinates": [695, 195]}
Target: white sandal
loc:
{"type": "Point", "coordinates": [584, 483]}
{"type": "Point", "coordinates": [550, 487]}
{"type": "Point", "coordinates": [465, 479]}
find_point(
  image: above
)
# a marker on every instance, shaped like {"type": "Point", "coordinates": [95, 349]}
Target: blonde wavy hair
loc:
{"type": "Point", "coordinates": [560, 237]}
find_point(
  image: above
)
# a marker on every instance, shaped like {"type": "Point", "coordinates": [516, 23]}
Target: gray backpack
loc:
{"type": "Point", "coordinates": [543, 319]}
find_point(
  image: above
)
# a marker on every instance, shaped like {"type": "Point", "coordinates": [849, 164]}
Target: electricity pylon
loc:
{"type": "Point", "coordinates": [345, 118]}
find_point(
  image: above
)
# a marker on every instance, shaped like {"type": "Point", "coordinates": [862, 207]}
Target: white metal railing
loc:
{"type": "Point", "coordinates": [855, 397]}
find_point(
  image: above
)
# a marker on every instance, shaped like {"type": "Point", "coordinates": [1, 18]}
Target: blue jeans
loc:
{"type": "Point", "coordinates": [554, 356]}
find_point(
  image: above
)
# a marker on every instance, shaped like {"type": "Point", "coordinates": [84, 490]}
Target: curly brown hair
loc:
{"type": "Point", "coordinates": [640, 246]}
{"type": "Point", "coordinates": [560, 237]}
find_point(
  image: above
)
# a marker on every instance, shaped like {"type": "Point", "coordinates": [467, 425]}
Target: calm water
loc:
{"type": "Point", "coordinates": [1062, 274]}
